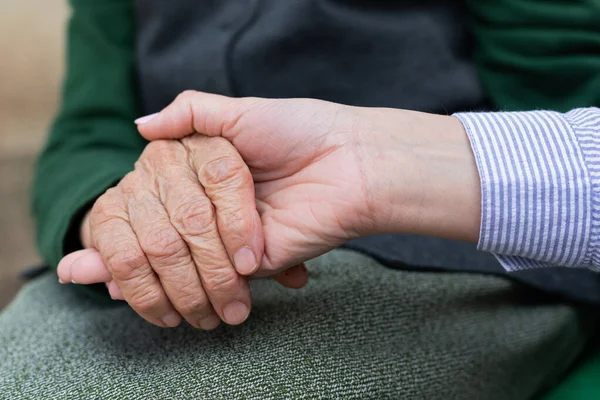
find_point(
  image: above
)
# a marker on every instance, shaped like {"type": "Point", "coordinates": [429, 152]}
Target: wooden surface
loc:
{"type": "Point", "coordinates": [31, 44]}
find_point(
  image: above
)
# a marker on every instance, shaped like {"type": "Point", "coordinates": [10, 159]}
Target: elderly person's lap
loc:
{"type": "Point", "coordinates": [357, 330]}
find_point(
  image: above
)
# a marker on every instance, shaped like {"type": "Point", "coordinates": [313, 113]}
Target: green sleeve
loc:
{"type": "Point", "coordinates": [93, 142]}
{"type": "Point", "coordinates": [538, 53]}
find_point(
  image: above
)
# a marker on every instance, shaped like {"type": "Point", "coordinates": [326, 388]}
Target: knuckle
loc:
{"type": "Point", "coordinates": [107, 205]}
{"type": "Point", "coordinates": [163, 243]}
{"type": "Point", "coordinates": [194, 218]}
{"type": "Point", "coordinates": [145, 302]}
{"type": "Point", "coordinates": [100, 211]}
{"type": "Point", "coordinates": [191, 304]}
{"type": "Point", "coordinates": [130, 184]}
{"type": "Point", "coordinates": [223, 171]}
{"type": "Point", "coordinates": [130, 179]}
{"type": "Point", "coordinates": [159, 147]}
{"type": "Point", "coordinates": [157, 154]}
{"type": "Point", "coordinates": [109, 196]}
{"type": "Point", "coordinates": [234, 221]}
{"type": "Point", "coordinates": [223, 280]}
{"type": "Point", "coordinates": [127, 264]}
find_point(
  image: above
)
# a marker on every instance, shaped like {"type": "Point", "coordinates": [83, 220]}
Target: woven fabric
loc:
{"type": "Point", "coordinates": [357, 330]}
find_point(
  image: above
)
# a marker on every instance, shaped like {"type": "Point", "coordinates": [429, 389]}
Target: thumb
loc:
{"type": "Point", "coordinates": [84, 267]}
{"type": "Point", "coordinates": [192, 112]}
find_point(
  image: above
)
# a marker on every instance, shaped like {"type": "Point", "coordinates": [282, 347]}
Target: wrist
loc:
{"type": "Point", "coordinates": [422, 176]}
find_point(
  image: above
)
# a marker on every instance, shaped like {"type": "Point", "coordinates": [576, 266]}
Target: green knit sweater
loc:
{"type": "Point", "coordinates": [530, 54]}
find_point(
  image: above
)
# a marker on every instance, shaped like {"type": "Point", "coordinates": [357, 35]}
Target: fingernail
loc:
{"type": "Point", "coordinates": [245, 261]}
{"type": "Point", "coordinates": [235, 313]}
{"type": "Point", "coordinates": [147, 118]}
{"type": "Point", "coordinates": [171, 319]}
{"type": "Point", "coordinates": [61, 281]}
{"type": "Point", "coordinates": [209, 323]}
{"type": "Point", "coordinates": [73, 281]}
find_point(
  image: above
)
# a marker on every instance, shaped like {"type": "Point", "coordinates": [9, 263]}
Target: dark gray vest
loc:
{"type": "Point", "coordinates": [402, 54]}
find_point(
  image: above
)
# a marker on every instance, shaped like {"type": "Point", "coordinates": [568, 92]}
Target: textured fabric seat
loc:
{"type": "Point", "coordinates": [358, 330]}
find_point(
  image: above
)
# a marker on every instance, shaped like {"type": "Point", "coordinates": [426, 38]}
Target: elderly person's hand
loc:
{"type": "Point", "coordinates": [175, 236]}
{"type": "Point", "coordinates": [326, 173]}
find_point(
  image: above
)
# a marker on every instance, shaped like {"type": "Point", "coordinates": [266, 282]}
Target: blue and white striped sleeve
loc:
{"type": "Point", "coordinates": [540, 186]}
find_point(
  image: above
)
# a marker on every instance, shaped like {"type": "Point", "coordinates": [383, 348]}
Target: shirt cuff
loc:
{"type": "Point", "coordinates": [538, 207]}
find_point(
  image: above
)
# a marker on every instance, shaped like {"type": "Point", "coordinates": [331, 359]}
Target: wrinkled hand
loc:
{"type": "Point", "coordinates": [307, 165]}
{"type": "Point", "coordinates": [171, 235]}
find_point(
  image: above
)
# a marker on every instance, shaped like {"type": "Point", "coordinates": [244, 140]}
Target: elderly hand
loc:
{"type": "Point", "coordinates": [175, 236]}
{"type": "Point", "coordinates": [326, 173]}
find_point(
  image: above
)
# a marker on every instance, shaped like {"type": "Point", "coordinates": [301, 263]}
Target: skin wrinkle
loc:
{"type": "Point", "coordinates": [222, 172]}
{"type": "Point", "coordinates": [131, 261]}
{"type": "Point", "coordinates": [193, 219]}
{"type": "Point", "coordinates": [272, 107]}
{"type": "Point", "coordinates": [144, 164]}
{"type": "Point", "coordinates": [267, 256]}
{"type": "Point", "coordinates": [359, 147]}
{"type": "Point", "coordinates": [327, 235]}
{"type": "Point", "coordinates": [229, 125]}
{"type": "Point", "coordinates": [162, 245]}
{"type": "Point", "coordinates": [284, 187]}
{"type": "Point", "coordinates": [160, 254]}
{"type": "Point", "coordinates": [237, 223]}
{"type": "Point", "coordinates": [99, 208]}
{"type": "Point", "coordinates": [107, 219]}
{"type": "Point", "coordinates": [219, 279]}
{"type": "Point", "coordinates": [183, 277]}
{"type": "Point", "coordinates": [220, 282]}
{"type": "Point", "coordinates": [185, 219]}
{"type": "Point", "coordinates": [189, 302]}
{"type": "Point", "coordinates": [317, 145]}
{"type": "Point", "coordinates": [146, 300]}
{"type": "Point", "coordinates": [182, 213]}
{"type": "Point", "coordinates": [124, 263]}
{"type": "Point", "coordinates": [223, 180]}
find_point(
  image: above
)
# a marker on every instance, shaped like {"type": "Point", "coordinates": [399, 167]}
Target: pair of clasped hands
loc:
{"type": "Point", "coordinates": [235, 188]}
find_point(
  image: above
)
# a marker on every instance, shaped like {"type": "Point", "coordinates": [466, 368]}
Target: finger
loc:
{"type": "Point", "coordinates": [114, 291]}
{"type": "Point", "coordinates": [165, 249]}
{"type": "Point", "coordinates": [84, 267]}
{"type": "Point", "coordinates": [228, 183]}
{"type": "Point", "coordinates": [293, 278]}
{"type": "Point", "coordinates": [192, 214]}
{"type": "Point", "coordinates": [170, 258]}
{"type": "Point", "coordinates": [191, 112]}
{"type": "Point", "coordinates": [88, 268]}
{"type": "Point", "coordinates": [113, 237]}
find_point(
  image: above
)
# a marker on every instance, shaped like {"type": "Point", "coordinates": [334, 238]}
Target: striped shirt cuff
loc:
{"type": "Point", "coordinates": [540, 179]}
